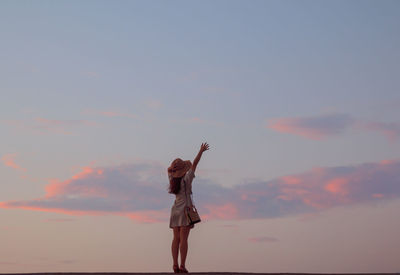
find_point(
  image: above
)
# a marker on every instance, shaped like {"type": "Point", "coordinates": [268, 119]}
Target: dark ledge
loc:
{"type": "Point", "coordinates": [199, 273]}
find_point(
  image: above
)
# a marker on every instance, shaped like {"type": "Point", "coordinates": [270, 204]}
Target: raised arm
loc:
{"type": "Point", "coordinates": [203, 147]}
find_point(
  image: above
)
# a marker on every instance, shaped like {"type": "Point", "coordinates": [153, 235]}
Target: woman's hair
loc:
{"type": "Point", "coordinates": [175, 185]}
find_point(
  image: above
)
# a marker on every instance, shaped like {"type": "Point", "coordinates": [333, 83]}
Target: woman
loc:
{"type": "Point", "coordinates": [181, 174]}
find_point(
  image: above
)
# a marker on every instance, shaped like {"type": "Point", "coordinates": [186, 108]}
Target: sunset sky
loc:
{"type": "Point", "coordinates": [299, 101]}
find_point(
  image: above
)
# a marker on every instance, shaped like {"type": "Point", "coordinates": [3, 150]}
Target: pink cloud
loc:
{"type": "Point", "coordinates": [139, 192]}
{"type": "Point", "coordinates": [316, 127]}
{"type": "Point", "coordinates": [56, 187]}
{"type": "Point", "coordinates": [9, 161]}
{"type": "Point", "coordinates": [324, 126]}
{"type": "Point", "coordinates": [390, 130]}
{"type": "Point", "coordinates": [317, 189]}
{"type": "Point", "coordinates": [121, 190]}
{"type": "Point", "coordinates": [337, 186]}
{"type": "Point", "coordinates": [290, 180]}
{"type": "Point", "coordinates": [328, 187]}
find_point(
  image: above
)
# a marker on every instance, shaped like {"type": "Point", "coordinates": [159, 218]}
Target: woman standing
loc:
{"type": "Point", "coordinates": [181, 174]}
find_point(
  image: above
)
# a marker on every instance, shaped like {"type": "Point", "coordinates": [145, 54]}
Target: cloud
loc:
{"type": "Point", "coordinates": [390, 130]}
{"type": "Point", "coordinates": [136, 191]}
{"type": "Point", "coordinates": [314, 127]}
{"type": "Point", "coordinates": [139, 191]}
{"type": "Point", "coordinates": [324, 126]}
{"type": "Point", "coordinates": [263, 239]}
{"type": "Point", "coordinates": [9, 161]}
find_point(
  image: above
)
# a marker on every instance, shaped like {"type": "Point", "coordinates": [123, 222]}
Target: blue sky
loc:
{"type": "Point", "coordinates": [103, 95]}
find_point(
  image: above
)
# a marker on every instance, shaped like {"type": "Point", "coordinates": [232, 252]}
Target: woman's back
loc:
{"type": "Point", "coordinates": [185, 189]}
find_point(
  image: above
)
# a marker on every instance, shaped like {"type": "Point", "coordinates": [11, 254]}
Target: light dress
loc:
{"type": "Point", "coordinates": [178, 217]}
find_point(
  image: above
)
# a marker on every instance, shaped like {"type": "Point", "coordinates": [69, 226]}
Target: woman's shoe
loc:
{"type": "Point", "coordinates": [176, 269]}
{"type": "Point", "coordinates": [182, 269]}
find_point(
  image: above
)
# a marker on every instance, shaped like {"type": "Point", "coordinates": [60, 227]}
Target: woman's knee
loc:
{"type": "Point", "coordinates": [184, 239]}
{"type": "Point", "coordinates": [183, 243]}
{"type": "Point", "coordinates": [176, 239]}
{"type": "Point", "coordinates": [176, 234]}
{"type": "Point", "coordinates": [184, 233]}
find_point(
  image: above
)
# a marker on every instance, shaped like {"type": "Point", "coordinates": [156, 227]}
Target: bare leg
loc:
{"type": "Point", "coordinates": [184, 234]}
{"type": "Point", "coordinates": [175, 245]}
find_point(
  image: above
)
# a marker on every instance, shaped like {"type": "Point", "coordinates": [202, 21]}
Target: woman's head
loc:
{"type": "Point", "coordinates": [176, 171]}
{"type": "Point", "coordinates": [179, 167]}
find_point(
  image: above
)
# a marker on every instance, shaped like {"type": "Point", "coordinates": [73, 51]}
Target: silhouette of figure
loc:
{"type": "Point", "coordinates": [181, 174]}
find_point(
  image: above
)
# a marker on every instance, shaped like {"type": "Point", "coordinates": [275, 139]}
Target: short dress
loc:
{"type": "Point", "coordinates": [178, 217]}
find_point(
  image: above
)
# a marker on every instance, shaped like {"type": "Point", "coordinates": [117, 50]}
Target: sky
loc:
{"type": "Point", "coordinates": [299, 101]}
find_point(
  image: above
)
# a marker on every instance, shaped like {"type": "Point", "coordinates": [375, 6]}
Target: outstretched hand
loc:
{"type": "Point", "coordinates": [204, 147]}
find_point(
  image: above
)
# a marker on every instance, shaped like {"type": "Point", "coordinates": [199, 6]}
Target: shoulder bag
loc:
{"type": "Point", "coordinates": [190, 211]}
